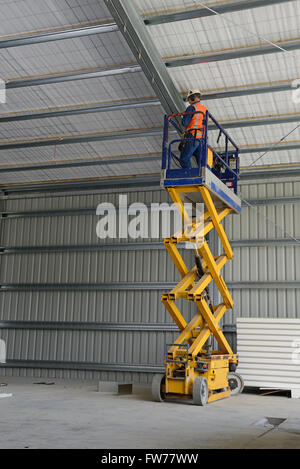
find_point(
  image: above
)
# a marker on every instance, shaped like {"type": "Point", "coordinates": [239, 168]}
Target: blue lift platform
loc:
{"type": "Point", "coordinates": [193, 369]}
{"type": "Point", "coordinates": [218, 171]}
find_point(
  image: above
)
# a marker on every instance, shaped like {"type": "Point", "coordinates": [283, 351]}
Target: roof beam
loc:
{"type": "Point", "coordinates": [81, 138]}
{"type": "Point", "coordinates": [229, 6]}
{"type": "Point", "coordinates": [248, 90]}
{"type": "Point", "coordinates": [72, 75]}
{"type": "Point", "coordinates": [118, 135]}
{"type": "Point", "coordinates": [230, 92]}
{"type": "Point", "coordinates": [261, 174]}
{"type": "Point", "coordinates": [80, 163]}
{"type": "Point", "coordinates": [80, 109]}
{"type": "Point", "coordinates": [140, 43]}
{"type": "Point", "coordinates": [234, 53]}
{"type": "Point", "coordinates": [110, 26]}
{"type": "Point", "coordinates": [141, 103]}
{"type": "Point", "coordinates": [272, 146]}
{"type": "Point", "coordinates": [142, 46]}
{"type": "Point", "coordinates": [292, 145]}
{"type": "Point", "coordinates": [285, 85]}
{"type": "Point", "coordinates": [259, 120]}
{"type": "Point", "coordinates": [57, 35]}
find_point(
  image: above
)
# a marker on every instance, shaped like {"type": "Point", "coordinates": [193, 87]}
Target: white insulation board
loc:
{"type": "Point", "coordinates": [269, 353]}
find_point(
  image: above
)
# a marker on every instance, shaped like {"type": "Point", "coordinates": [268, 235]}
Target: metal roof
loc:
{"type": "Point", "coordinates": [59, 60]}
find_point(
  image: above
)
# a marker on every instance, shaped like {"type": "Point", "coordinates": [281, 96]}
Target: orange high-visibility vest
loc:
{"type": "Point", "coordinates": [197, 119]}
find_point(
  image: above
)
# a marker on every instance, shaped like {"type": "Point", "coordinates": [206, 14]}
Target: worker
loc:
{"type": "Point", "coordinates": [193, 124]}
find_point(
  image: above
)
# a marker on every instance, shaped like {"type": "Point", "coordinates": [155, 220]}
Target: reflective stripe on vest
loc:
{"type": "Point", "coordinates": [197, 119]}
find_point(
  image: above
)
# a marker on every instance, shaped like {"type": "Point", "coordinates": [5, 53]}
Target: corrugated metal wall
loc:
{"type": "Point", "coordinates": [106, 321]}
{"type": "Point", "coordinates": [265, 273]}
{"type": "Point", "coordinates": [101, 329]}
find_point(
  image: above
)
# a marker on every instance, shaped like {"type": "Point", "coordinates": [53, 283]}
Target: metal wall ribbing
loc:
{"type": "Point", "coordinates": [266, 267]}
{"type": "Point", "coordinates": [114, 326]}
{"type": "Point", "coordinates": [110, 289]}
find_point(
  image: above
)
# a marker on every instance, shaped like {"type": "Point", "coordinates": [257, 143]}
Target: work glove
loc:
{"type": "Point", "coordinates": [182, 144]}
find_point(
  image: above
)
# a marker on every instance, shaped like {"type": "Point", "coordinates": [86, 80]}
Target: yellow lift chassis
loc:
{"type": "Point", "coordinates": [193, 369]}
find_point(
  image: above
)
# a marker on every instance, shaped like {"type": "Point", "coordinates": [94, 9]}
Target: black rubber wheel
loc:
{"type": "Point", "coordinates": [200, 391]}
{"type": "Point", "coordinates": [157, 382]}
{"type": "Point", "coordinates": [236, 383]}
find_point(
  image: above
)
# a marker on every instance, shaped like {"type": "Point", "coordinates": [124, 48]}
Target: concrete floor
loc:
{"type": "Point", "coordinates": [75, 415]}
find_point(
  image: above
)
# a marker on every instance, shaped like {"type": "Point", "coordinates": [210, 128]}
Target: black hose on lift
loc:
{"type": "Point", "coordinates": [199, 266]}
{"type": "Point", "coordinates": [176, 160]}
{"type": "Point", "coordinates": [201, 272]}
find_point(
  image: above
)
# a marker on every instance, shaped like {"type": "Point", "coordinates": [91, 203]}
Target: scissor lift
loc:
{"type": "Point", "coordinates": [193, 369]}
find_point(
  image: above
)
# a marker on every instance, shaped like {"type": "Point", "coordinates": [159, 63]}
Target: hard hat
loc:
{"type": "Point", "coordinates": [191, 92]}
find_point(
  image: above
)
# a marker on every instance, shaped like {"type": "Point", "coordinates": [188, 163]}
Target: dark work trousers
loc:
{"type": "Point", "coordinates": [190, 148]}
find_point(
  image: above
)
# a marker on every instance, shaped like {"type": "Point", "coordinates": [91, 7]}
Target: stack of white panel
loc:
{"type": "Point", "coordinates": [269, 353]}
